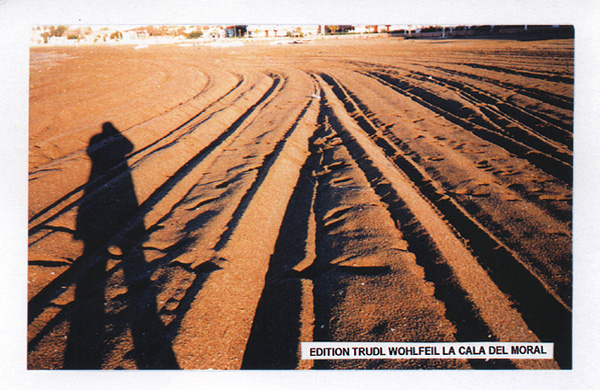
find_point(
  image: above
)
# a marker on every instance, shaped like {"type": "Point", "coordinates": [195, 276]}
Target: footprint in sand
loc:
{"type": "Point", "coordinates": [341, 180]}
{"type": "Point", "coordinates": [336, 213]}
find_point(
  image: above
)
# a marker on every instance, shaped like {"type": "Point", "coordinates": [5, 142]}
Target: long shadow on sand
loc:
{"type": "Point", "coordinates": [108, 207]}
{"type": "Point", "coordinates": [275, 334]}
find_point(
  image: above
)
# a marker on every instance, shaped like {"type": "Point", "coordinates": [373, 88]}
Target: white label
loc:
{"type": "Point", "coordinates": [462, 350]}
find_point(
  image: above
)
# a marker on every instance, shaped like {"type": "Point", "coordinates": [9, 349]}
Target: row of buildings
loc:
{"type": "Point", "coordinates": [165, 34]}
{"type": "Point", "coordinates": [132, 34]}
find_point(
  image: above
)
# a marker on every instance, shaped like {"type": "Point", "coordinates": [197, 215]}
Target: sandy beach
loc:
{"type": "Point", "coordinates": [198, 207]}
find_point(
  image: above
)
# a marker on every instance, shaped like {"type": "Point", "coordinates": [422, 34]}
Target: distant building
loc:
{"type": "Point", "coordinates": [265, 30]}
{"type": "Point", "coordinates": [338, 29]}
{"type": "Point", "coordinates": [237, 31]}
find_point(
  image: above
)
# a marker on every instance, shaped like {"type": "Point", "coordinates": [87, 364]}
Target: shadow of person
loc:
{"type": "Point", "coordinates": [111, 227]}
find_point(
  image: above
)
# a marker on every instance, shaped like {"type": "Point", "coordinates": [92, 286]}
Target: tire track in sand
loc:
{"type": "Point", "coordinates": [544, 311]}
{"type": "Point", "coordinates": [148, 208]}
{"type": "Point", "coordinates": [494, 308]}
{"type": "Point", "coordinates": [485, 131]}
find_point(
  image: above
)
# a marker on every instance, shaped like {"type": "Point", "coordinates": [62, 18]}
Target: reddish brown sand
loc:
{"type": "Point", "coordinates": [265, 195]}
